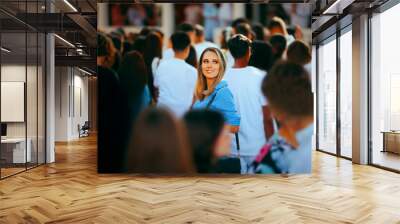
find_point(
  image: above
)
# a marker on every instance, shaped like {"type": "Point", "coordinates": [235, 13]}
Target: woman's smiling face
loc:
{"type": "Point", "coordinates": [210, 65]}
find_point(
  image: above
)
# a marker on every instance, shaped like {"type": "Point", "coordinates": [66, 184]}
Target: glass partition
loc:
{"type": "Point", "coordinates": [327, 96]}
{"type": "Point", "coordinates": [385, 89]}
{"type": "Point", "coordinates": [22, 89]}
{"type": "Point", "coordinates": [346, 94]}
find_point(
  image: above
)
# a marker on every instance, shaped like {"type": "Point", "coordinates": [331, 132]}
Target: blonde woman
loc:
{"type": "Point", "coordinates": [211, 92]}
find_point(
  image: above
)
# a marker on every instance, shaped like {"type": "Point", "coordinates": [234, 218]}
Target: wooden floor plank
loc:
{"type": "Point", "coordinates": [71, 191]}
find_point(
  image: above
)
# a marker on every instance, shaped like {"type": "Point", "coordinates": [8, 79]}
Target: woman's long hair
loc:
{"type": "Point", "coordinates": [201, 89]}
{"type": "Point", "coordinates": [107, 45]}
{"type": "Point", "coordinates": [152, 49]}
{"type": "Point", "coordinates": [159, 145]}
{"type": "Point", "coordinates": [133, 72]}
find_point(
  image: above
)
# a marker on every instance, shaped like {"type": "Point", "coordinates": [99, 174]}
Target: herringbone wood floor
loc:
{"type": "Point", "coordinates": [70, 191]}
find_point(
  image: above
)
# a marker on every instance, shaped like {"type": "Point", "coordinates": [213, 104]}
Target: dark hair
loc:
{"type": "Point", "coordinates": [192, 58]}
{"type": "Point", "coordinates": [105, 48]}
{"type": "Point", "coordinates": [117, 42]}
{"type": "Point", "coordinates": [277, 22]}
{"type": "Point", "coordinates": [152, 49]}
{"type": "Point", "coordinates": [278, 43]}
{"type": "Point", "coordinates": [139, 44]}
{"type": "Point", "coordinates": [288, 89]}
{"type": "Point", "coordinates": [159, 144]}
{"type": "Point", "coordinates": [199, 30]}
{"type": "Point", "coordinates": [180, 41]}
{"type": "Point", "coordinates": [299, 52]}
{"type": "Point", "coordinates": [258, 30]}
{"type": "Point", "coordinates": [132, 74]}
{"type": "Point", "coordinates": [226, 33]}
{"type": "Point", "coordinates": [159, 32]}
{"type": "Point", "coordinates": [261, 56]}
{"type": "Point", "coordinates": [243, 28]}
{"type": "Point", "coordinates": [239, 45]}
{"type": "Point", "coordinates": [185, 27]}
{"type": "Point", "coordinates": [145, 31]}
{"type": "Point", "coordinates": [238, 21]}
{"type": "Point", "coordinates": [204, 127]}
{"type": "Point", "coordinates": [127, 47]}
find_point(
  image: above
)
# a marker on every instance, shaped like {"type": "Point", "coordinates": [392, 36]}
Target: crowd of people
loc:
{"type": "Point", "coordinates": [243, 105]}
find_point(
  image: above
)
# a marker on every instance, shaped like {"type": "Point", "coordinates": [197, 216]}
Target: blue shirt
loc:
{"type": "Point", "coordinates": [146, 97]}
{"type": "Point", "coordinates": [299, 159]}
{"type": "Point", "coordinates": [287, 159]}
{"type": "Point", "coordinates": [223, 102]}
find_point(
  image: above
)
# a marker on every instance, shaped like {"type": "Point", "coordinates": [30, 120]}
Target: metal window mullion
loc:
{"type": "Point", "coordinates": [338, 92]}
{"type": "Point", "coordinates": [369, 90]}
{"type": "Point", "coordinates": [317, 96]}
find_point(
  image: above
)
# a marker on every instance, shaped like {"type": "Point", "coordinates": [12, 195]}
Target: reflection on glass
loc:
{"type": "Point", "coordinates": [31, 101]}
{"type": "Point", "coordinates": [385, 86]}
{"type": "Point", "coordinates": [14, 151]}
{"type": "Point", "coordinates": [327, 97]}
{"type": "Point", "coordinates": [41, 99]}
{"type": "Point", "coordinates": [346, 94]}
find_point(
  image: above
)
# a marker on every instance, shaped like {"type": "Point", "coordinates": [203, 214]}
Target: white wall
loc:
{"type": "Point", "coordinates": [71, 93]}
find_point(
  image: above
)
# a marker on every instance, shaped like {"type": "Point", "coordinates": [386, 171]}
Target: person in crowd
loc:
{"type": "Point", "coordinates": [259, 31]}
{"type": "Point", "coordinates": [224, 38]}
{"type": "Point", "coordinates": [110, 152]}
{"type": "Point", "coordinates": [288, 91]}
{"type": "Point", "coordinates": [278, 26]}
{"type": "Point", "coordinates": [135, 94]}
{"type": "Point", "coordinates": [117, 41]}
{"type": "Point", "coordinates": [245, 81]}
{"type": "Point", "coordinates": [145, 31]}
{"type": "Point", "coordinates": [176, 79]}
{"type": "Point", "coordinates": [139, 44]}
{"type": "Point", "coordinates": [244, 29]}
{"type": "Point", "coordinates": [210, 139]}
{"type": "Point", "coordinates": [226, 34]}
{"type": "Point", "coordinates": [299, 52]}
{"type": "Point", "coordinates": [159, 33]}
{"type": "Point", "coordinates": [238, 21]}
{"type": "Point", "coordinates": [152, 55]}
{"type": "Point", "coordinates": [133, 77]}
{"type": "Point", "coordinates": [201, 43]}
{"type": "Point", "coordinates": [278, 43]}
{"type": "Point", "coordinates": [261, 56]}
{"type": "Point", "coordinates": [192, 57]}
{"type": "Point", "coordinates": [189, 30]}
{"type": "Point", "coordinates": [127, 46]}
{"type": "Point", "coordinates": [211, 92]}
{"type": "Point", "coordinates": [159, 145]}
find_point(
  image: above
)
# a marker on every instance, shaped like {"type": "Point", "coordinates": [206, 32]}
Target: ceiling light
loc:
{"type": "Point", "coordinates": [70, 5]}
{"type": "Point", "coordinates": [5, 49]}
{"type": "Point", "coordinates": [326, 11]}
{"type": "Point", "coordinates": [65, 41]}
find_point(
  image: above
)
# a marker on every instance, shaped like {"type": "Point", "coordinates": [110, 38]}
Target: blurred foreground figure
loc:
{"type": "Point", "coordinates": [159, 145]}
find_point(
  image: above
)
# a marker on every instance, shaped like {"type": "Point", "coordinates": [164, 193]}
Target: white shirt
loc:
{"type": "Point", "coordinates": [230, 61]}
{"type": "Point", "coordinates": [168, 53]}
{"type": "Point", "coordinates": [176, 81]}
{"type": "Point", "coordinates": [245, 84]}
{"type": "Point", "coordinates": [200, 47]}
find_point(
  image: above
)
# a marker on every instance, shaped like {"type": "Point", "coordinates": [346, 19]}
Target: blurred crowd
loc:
{"type": "Point", "coordinates": [241, 105]}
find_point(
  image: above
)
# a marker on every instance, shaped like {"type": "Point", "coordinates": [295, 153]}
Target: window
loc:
{"type": "Point", "coordinates": [385, 89]}
{"type": "Point", "coordinates": [346, 94]}
{"type": "Point", "coordinates": [327, 96]}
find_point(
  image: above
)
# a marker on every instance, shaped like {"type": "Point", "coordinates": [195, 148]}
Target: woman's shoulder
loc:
{"type": "Point", "coordinates": [223, 87]}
